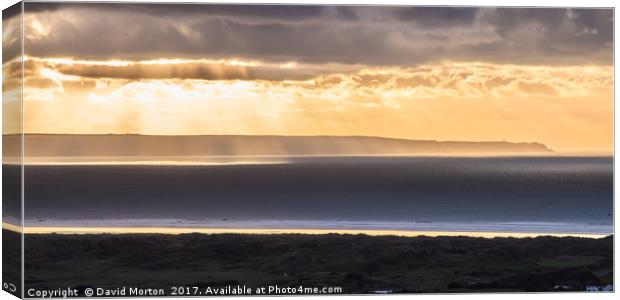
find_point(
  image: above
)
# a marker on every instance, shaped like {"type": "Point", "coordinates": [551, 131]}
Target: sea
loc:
{"type": "Point", "coordinates": [546, 195]}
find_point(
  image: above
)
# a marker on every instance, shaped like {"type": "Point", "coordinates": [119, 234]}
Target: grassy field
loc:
{"type": "Point", "coordinates": [357, 263]}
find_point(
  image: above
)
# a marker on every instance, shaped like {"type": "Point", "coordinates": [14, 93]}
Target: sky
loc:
{"type": "Point", "coordinates": [440, 73]}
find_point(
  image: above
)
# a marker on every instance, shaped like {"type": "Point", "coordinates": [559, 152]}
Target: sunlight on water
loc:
{"type": "Point", "coordinates": [515, 196]}
{"type": "Point", "coordinates": [153, 161]}
{"type": "Point", "coordinates": [158, 163]}
{"type": "Point", "coordinates": [170, 230]}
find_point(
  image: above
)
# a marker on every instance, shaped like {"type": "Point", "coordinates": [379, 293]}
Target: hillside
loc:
{"type": "Point", "coordinates": [223, 145]}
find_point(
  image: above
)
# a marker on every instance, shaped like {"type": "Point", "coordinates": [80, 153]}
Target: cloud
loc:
{"type": "Point", "coordinates": [448, 79]}
{"type": "Point", "coordinates": [232, 69]}
{"type": "Point", "coordinates": [11, 33]}
{"type": "Point", "coordinates": [433, 17]}
{"type": "Point", "coordinates": [460, 80]}
{"type": "Point", "coordinates": [270, 12]}
{"type": "Point", "coordinates": [371, 35]}
{"type": "Point", "coordinates": [566, 33]}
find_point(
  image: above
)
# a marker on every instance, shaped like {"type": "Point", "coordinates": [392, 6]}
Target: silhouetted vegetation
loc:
{"type": "Point", "coordinates": [357, 263]}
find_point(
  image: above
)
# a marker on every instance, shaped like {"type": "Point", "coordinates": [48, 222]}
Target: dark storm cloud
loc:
{"type": "Point", "coordinates": [275, 12]}
{"type": "Point", "coordinates": [11, 11]}
{"type": "Point", "coordinates": [437, 16]}
{"type": "Point", "coordinates": [371, 35]}
{"type": "Point", "coordinates": [188, 69]}
{"type": "Point", "coordinates": [11, 32]}
{"type": "Point", "coordinates": [555, 31]}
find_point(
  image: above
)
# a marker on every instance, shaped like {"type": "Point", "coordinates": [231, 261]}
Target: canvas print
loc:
{"type": "Point", "coordinates": [229, 149]}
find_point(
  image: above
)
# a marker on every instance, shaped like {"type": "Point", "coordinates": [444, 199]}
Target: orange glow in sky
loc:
{"type": "Point", "coordinates": [412, 85]}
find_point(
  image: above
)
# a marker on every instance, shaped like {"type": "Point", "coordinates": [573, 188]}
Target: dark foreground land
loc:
{"type": "Point", "coordinates": [357, 263]}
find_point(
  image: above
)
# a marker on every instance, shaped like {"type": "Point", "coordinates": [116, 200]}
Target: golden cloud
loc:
{"type": "Point", "coordinates": [454, 79]}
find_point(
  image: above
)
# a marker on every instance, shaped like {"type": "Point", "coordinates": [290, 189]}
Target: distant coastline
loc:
{"type": "Point", "coordinates": [75, 145]}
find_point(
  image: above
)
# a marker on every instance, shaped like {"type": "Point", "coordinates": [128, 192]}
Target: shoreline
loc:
{"type": "Point", "coordinates": [275, 231]}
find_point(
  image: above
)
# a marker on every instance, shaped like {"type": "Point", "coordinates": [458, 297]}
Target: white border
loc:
{"type": "Point", "coordinates": [512, 3]}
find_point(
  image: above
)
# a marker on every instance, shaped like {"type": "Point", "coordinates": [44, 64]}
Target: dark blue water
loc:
{"type": "Point", "coordinates": [572, 190]}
